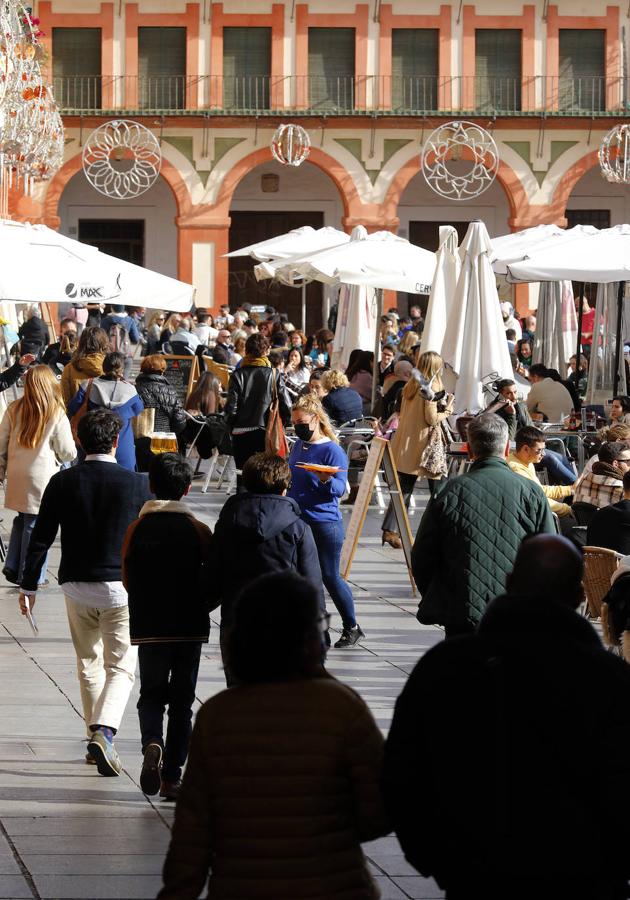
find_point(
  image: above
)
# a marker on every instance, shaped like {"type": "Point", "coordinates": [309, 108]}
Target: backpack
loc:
{"type": "Point", "coordinates": [119, 339]}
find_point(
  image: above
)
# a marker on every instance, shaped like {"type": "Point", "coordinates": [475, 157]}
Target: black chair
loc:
{"type": "Point", "coordinates": [583, 512]}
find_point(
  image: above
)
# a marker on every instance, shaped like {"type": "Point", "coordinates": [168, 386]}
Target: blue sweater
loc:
{"type": "Point", "coordinates": [318, 502]}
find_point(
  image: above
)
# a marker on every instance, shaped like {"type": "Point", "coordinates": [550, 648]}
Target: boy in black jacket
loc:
{"type": "Point", "coordinates": [168, 618]}
{"type": "Point", "coordinates": [258, 532]}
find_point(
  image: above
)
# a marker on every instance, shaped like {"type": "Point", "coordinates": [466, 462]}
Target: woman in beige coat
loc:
{"type": "Point", "coordinates": [417, 418]}
{"type": "Point", "coordinates": [35, 438]}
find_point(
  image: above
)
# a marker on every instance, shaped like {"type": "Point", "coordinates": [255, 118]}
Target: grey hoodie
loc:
{"type": "Point", "coordinates": [111, 394]}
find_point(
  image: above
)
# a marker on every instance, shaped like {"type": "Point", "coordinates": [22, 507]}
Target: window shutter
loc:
{"type": "Point", "coordinates": [162, 68]}
{"type": "Point", "coordinates": [414, 68]}
{"type": "Point", "coordinates": [498, 69]}
{"type": "Point", "coordinates": [582, 69]}
{"type": "Point", "coordinates": [246, 68]}
{"type": "Point", "coordinates": [77, 67]}
{"type": "Point", "coordinates": [331, 68]}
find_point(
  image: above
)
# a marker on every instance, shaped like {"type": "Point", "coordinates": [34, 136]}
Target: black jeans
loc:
{"type": "Point", "coordinates": [245, 445]}
{"type": "Point", "coordinates": [168, 677]}
{"type": "Point", "coordinates": [407, 484]}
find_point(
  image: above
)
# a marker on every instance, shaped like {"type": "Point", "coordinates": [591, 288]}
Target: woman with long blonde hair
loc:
{"type": "Point", "coordinates": [317, 492]}
{"type": "Point", "coordinates": [35, 439]}
{"type": "Point", "coordinates": [418, 416]}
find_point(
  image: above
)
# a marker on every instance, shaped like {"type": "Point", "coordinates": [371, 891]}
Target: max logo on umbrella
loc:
{"type": "Point", "coordinates": [84, 291]}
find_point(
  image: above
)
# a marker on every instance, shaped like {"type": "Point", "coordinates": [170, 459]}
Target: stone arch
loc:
{"type": "Point", "coordinates": [329, 166]}
{"type": "Point", "coordinates": [569, 180]}
{"type": "Point", "coordinates": [506, 176]}
{"type": "Point", "coordinates": [73, 165]}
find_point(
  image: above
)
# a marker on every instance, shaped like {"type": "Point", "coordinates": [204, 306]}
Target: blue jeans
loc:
{"type": "Point", "coordinates": [558, 468]}
{"type": "Point", "coordinates": [21, 531]}
{"type": "Point", "coordinates": [329, 541]}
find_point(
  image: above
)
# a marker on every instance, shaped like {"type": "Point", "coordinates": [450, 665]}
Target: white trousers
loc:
{"type": "Point", "coordinates": [106, 661]}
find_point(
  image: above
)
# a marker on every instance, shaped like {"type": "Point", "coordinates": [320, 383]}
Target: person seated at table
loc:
{"type": "Point", "coordinates": [603, 485]}
{"type": "Point", "coordinates": [342, 403]}
{"type": "Point", "coordinates": [610, 526]}
{"type": "Point", "coordinates": [614, 433]}
{"type": "Point", "coordinates": [548, 397]}
{"type": "Point", "coordinates": [530, 449]}
{"type": "Point", "coordinates": [579, 379]}
{"type": "Point", "coordinates": [620, 410]}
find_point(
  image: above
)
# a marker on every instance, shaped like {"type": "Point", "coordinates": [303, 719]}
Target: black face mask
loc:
{"type": "Point", "coordinates": [303, 431]}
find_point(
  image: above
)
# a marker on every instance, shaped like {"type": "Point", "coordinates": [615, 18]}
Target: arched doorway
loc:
{"type": "Point", "coordinates": [594, 201]}
{"type": "Point", "coordinates": [268, 201]}
{"type": "Point", "coordinates": [141, 230]}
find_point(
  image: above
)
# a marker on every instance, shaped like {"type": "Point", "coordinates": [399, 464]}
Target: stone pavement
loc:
{"type": "Point", "coordinates": [66, 832]}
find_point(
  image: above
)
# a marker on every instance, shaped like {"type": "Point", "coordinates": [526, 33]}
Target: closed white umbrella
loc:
{"type": "Point", "coordinates": [556, 326]}
{"type": "Point", "coordinates": [442, 292]}
{"type": "Point", "coordinates": [474, 343]}
{"type": "Point", "coordinates": [357, 323]}
{"type": "Point", "coordinates": [39, 265]}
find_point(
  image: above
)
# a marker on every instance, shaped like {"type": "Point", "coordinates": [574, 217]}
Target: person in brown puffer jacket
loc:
{"type": "Point", "coordinates": [282, 783]}
{"type": "Point", "coordinates": [86, 363]}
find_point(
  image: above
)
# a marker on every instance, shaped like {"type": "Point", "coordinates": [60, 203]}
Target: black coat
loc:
{"type": "Point", "coordinates": [257, 534]}
{"type": "Point", "coordinates": [343, 404]}
{"type": "Point", "coordinates": [250, 394]}
{"type": "Point", "coordinates": [156, 393]}
{"type": "Point", "coordinates": [507, 755]}
{"type": "Point", "coordinates": [610, 528]}
{"type": "Point", "coordinates": [168, 600]}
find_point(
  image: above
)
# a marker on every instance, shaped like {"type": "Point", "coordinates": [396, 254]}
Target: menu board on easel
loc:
{"type": "Point", "coordinates": [182, 372]}
{"type": "Point", "coordinates": [379, 456]}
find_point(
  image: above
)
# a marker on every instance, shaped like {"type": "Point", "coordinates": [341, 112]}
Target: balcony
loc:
{"type": "Point", "coordinates": [367, 96]}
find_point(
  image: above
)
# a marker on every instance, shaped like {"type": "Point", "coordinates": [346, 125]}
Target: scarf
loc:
{"type": "Point", "coordinates": [606, 469]}
{"type": "Point", "coordinates": [255, 361]}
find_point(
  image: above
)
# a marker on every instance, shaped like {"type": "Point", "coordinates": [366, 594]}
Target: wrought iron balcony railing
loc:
{"type": "Point", "coordinates": [345, 96]}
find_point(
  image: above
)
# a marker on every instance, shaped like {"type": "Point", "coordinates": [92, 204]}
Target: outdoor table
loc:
{"type": "Point", "coordinates": [559, 431]}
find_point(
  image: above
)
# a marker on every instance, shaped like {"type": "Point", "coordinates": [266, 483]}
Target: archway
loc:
{"type": "Point", "coordinates": [594, 201]}
{"type": "Point", "coordinates": [270, 200]}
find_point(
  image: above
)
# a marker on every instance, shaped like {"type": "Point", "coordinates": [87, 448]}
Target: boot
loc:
{"type": "Point", "coordinates": [391, 538]}
{"type": "Point", "coordinates": [354, 490]}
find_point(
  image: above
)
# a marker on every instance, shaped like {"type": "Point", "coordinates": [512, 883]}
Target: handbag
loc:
{"type": "Point", "coordinates": [275, 438]}
{"type": "Point", "coordinates": [434, 458]}
{"type": "Point", "coordinates": [81, 411]}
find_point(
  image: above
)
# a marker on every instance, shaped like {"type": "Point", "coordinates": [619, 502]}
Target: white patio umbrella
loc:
{"type": "Point", "coordinates": [39, 265]}
{"type": "Point", "coordinates": [380, 260]}
{"type": "Point", "coordinates": [442, 292]}
{"type": "Point", "coordinates": [276, 251]}
{"type": "Point", "coordinates": [513, 248]}
{"type": "Point", "coordinates": [474, 343]}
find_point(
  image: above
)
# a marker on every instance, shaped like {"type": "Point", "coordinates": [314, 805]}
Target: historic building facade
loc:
{"type": "Point", "coordinates": [369, 81]}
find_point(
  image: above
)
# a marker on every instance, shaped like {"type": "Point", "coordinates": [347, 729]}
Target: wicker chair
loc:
{"type": "Point", "coordinates": [599, 566]}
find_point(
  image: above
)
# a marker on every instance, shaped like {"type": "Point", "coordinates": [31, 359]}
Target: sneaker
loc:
{"type": "Point", "coordinates": [169, 790]}
{"type": "Point", "coordinates": [104, 755]}
{"type": "Point", "coordinates": [151, 767]}
{"type": "Point", "coordinates": [349, 637]}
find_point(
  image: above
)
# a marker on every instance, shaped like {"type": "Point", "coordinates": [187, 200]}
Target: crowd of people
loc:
{"type": "Point", "coordinates": [286, 773]}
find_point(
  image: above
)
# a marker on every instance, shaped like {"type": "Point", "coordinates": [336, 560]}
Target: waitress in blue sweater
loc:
{"type": "Point", "coordinates": [318, 495]}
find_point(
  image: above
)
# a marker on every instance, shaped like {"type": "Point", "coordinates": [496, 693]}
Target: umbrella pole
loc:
{"type": "Point", "coordinates": [579, 330]}
{"type": "Point", "coordinates": [377, 345]}
{"type": "Point", "coordinates": [304, 307]}
{"type": "Point", "coordinates": [620, 292]}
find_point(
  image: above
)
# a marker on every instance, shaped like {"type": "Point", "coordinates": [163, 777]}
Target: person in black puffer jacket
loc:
{"type": "Point", "coordinates": [251, 392]}
{"type": "Point", "coordinates": [342, 403]}
{"type": "Point", "coordinates": [156, 393]}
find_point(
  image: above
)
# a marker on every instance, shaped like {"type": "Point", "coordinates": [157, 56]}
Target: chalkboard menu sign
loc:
{"type": "Point", "coordinates": [182, 372]}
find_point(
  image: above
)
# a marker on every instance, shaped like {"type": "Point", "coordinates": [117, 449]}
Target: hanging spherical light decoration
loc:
{"type": "Point", "coordinates": [459, 160]}
{"type": "Point", "coordinates": [290, 145]}
{"type": "Point", "coordinates": [614, 155]}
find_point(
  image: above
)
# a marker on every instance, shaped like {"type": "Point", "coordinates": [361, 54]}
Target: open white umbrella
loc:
{"type": "Point", "coordinates": [474, 343]}
{"type": "Point", "coordinates": [277, 251]}
{"type": "Point", "coordinates": [599, 257]}
{"type": "Point", "coordinates": [442, 292]}
{"type": "Point", "coordinates": [39, 265]}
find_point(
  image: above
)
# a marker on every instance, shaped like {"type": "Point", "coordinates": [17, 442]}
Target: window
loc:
{"type": "Point", "coordinates": [582, 69]}
{"type": "Point", "coordinates": [162, 68]}
{"type": "Point", "coordinates": [77, 67]}
{"type": "Point", "coordinates": [414, 68]}
{"type": "Point", "coordinates": [246, 68]}
{"type": "Point", "coordinates": [331, 68]}
{"type": "Point", "coordinates": [497, 69]}
{"type": "Point", "coordinates": [122, 238]}
{"type": "Point", "coordinates": [600, 218]}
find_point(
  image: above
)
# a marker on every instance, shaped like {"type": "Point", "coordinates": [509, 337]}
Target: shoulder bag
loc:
{"type": "Point", "coordinates": [434, 458]}
{"type": "Point", "coordinates": [275, 438]}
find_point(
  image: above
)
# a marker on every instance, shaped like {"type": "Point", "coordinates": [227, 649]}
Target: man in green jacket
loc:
{"type": "Point", "coordinates": [471, 532]}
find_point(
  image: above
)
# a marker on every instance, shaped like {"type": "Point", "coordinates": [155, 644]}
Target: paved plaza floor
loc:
{"type": "Point", "coordinates": [66, 832]}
